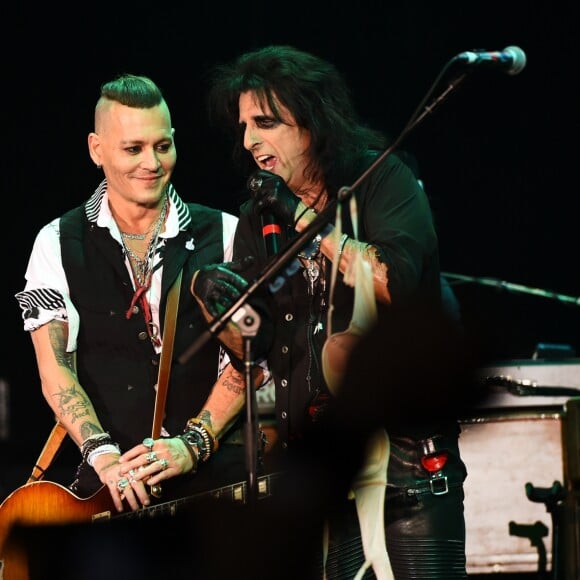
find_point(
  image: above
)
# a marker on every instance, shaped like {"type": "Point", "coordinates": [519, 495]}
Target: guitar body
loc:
{"type": "Point", "coordinates": [48, 503]}
{"type": "Point", "coordinates": [42, 503]}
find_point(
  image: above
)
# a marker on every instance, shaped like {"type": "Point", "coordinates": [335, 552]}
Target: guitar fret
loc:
{"type": "Point", "coordinates": [238, 493]}
{"type": "Point", "coordinates": [263, 487]}
{"type": "Point", "coordinates": [101, 516]}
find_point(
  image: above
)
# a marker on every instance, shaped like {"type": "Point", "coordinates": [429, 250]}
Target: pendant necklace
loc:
{"type": "Point", "coordinates": [142, 269]}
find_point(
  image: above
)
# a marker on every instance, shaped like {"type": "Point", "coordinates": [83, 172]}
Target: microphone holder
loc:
{"type": "Point", "coordinates": [240, 310]}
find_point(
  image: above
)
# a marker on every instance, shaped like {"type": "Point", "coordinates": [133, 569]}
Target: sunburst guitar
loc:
{"type": "Point", "coordinates": [48, 503]}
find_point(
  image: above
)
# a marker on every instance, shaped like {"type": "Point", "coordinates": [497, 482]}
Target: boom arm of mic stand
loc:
{"type": "Point", "coordinates": [412, 123]}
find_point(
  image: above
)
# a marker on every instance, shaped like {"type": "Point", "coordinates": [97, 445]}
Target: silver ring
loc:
{"type": "Point", "coordinates": [151, 457]}
{"type": "Point", "coordinates": [149, 442]}
{"type": "Point", "coordinates": [164, 464]}
{"type": "Point", "coordinates": [122, 484]}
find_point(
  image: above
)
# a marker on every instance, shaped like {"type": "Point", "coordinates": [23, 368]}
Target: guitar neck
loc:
{"type": "Point", "coordinates": [236, 493]}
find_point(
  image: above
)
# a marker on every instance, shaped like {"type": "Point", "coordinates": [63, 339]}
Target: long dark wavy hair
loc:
{"type": "Point", "coordinates": [317, 96]}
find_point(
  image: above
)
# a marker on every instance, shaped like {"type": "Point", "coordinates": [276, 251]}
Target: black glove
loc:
{"type": "Point", "coordinates": [271, 194]}
{"type": "Point", "coordinates": [218, 286]}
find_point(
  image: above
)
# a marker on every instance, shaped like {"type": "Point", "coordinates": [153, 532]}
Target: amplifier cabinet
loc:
{"type": "Point", "coordinates": [505, 531]}
{"type": "Point", "coordinates": [526, 431]}
{"type": "Point", "coordinates": [569, 534]}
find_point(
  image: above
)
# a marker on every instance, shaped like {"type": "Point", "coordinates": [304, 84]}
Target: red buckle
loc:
{"type": "Point", "coordinates": [434, 461]}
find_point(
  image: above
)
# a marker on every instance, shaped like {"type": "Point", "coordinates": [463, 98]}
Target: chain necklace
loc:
{"type": "Point", "coordinates": [141, 266]}
{"type": "Point", "coordinates": [153, 225]}
{"type": "Point", "coordinates": [142, 269]}
{"type": "Point", "coordinates": [315, 275]}
{"type": "Point", "coordinates": [138, 236]}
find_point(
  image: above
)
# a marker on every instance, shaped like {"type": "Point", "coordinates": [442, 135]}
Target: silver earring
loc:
{"type": "Point", "coordinates": [99, 166]}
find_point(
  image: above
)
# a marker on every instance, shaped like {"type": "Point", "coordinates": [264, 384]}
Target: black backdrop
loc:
{"type": "Point", "coordinates": [498, 158]}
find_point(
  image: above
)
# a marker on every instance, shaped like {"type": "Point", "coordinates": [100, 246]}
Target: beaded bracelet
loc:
{"type": "Point", "coordinates": [204, 446]}
{"type": "Point", "coordinates": [92, 439]}
{"type": "Point", "coordinates": [199, 423]}
{"type": "Point", "coordinates": [90, 444]}
{"type": "Point", "coordinates": [195, 437]}
{"type": "Point", "coordinates": [190, 441]}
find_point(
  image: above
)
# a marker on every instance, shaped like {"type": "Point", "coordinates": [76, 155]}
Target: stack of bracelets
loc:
{"type": "Point", "coordinates": [199, 436]}
{"type": "Point", "coordinates": [96, 445]}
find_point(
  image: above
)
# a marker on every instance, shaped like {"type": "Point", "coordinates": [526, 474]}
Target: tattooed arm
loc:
{"type": "Point", "coordinates": [60, 384]}
{"type": "Point", "coordinates": [227, 399]}
{"type": "Point", "coordinates": [224, 404]}
{"type": "Point", "coordinates": [73, 408]}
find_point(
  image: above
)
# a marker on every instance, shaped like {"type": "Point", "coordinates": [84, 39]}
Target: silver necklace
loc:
{"type": "Point", "coordinates": [136, 236]}
{"type": "Point", "coordinates": [142, 236]}
{"type": "Point", "coordinates": [141, 266]}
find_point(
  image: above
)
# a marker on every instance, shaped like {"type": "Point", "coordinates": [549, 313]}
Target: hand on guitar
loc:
{"type": "Point", "coordinates": [146, 465]}
{"type": "Point", "coordinates": [121, 486]}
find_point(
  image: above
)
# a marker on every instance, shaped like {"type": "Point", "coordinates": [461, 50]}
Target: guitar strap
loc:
{"type": "Point", "coordinates": [49, 450]}
{"type": "Point", "coordinates": [370, 483]}
{"type": "Point", "coordinates": [166, 355]}
{"type": "Point", "coordinates": [58, 432]}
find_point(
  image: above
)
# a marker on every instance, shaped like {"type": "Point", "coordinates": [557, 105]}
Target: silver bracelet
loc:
{"type": "Point", "coordinates": [101, 450]}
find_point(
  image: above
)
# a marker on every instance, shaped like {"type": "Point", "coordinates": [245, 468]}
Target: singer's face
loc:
{"type": "Point", "coordinates": [276, 147]}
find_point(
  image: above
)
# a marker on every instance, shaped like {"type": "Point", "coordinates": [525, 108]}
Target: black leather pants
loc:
{"type": "Point", "coordinates": [424, 517]}
{"type": "Point", "coordinates": [426, 536]}
{"type": "Point", "coordinates": [425, 539]}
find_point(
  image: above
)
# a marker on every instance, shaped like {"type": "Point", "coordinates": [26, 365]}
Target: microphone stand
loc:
{"type": "Point", "coordinates": [239, 310]}
{"type": "Point", "coordinates": [248, 321]}
{"type": "Point", "coordinates": [502, 285]}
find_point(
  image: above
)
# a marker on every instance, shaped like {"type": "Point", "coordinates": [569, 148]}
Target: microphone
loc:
{"type": "Point", "coordinates": [511, 59]}
{"type": "Point", "coordinates": [271, 230]}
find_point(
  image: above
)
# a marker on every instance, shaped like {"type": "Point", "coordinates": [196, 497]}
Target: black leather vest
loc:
{"type": "Point", "coordinates": [117, 364]}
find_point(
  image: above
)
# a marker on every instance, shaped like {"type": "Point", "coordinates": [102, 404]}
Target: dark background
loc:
{"type": "Point", "coordinates": [498, 158]}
